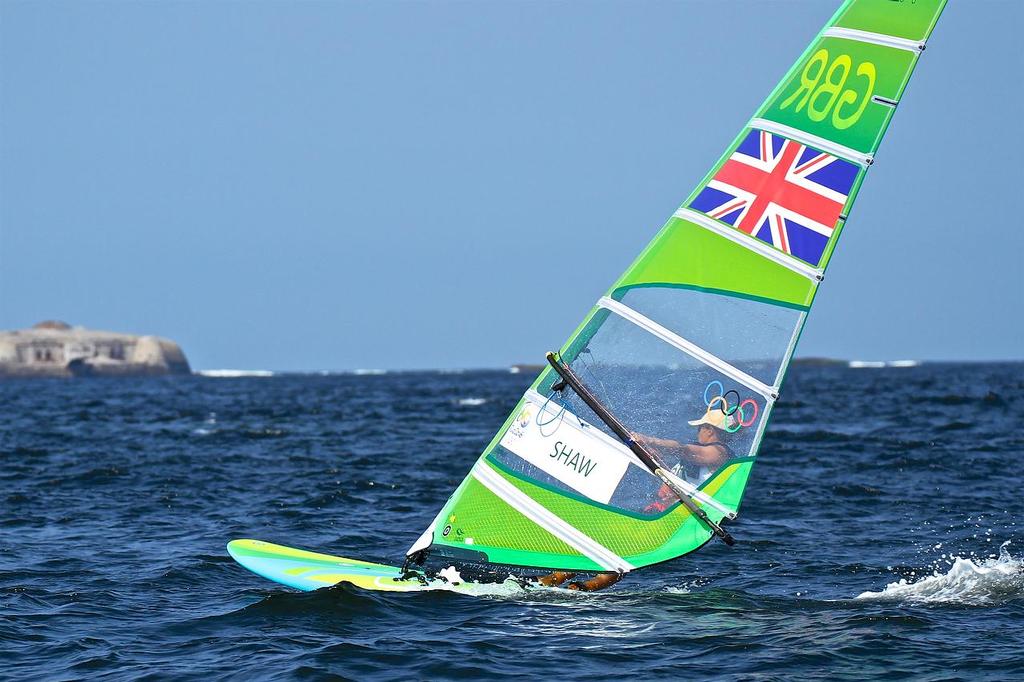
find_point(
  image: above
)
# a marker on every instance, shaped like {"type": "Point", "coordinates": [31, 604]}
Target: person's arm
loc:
{"type": "Point", "coordinates": [701, 455]}
{"type": "Point", "coordinates": [659, 442]}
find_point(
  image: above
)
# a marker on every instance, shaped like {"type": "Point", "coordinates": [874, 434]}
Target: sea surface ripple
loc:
{"type": "Point", "coordinates": [879, 535]}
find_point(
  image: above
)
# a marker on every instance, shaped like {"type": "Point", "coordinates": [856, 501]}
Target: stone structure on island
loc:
{"type": "Point", "coordinates": [56, 349]}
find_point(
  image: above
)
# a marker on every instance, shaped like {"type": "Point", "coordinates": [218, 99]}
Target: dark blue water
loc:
{"type": "Point", "coordinates": [117, 497]}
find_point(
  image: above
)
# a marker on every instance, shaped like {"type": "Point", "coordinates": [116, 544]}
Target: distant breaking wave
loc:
{"type": "Point", "coordinates": [878, 364]}
{"type": "Point", "coordinates": [369, 372]}
{"type": "Point", "coordinates": [233, 373]}
{"type": "Point", "coordinates": [985, 581]}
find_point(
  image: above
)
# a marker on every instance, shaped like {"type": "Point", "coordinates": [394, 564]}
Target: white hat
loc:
{"type": "Point", "coordinates": [715, 417]}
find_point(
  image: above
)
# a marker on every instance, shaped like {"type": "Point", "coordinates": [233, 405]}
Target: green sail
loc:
{"type": "Point", "coordinates": [706, 318]}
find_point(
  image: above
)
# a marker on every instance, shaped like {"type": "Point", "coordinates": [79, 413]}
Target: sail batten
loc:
{"type": "Point", "coordinates": [876, 38]}
{"type": "Point", "coordinates": [757, 247]}
{"type": "Point", "coordinates": [695, 338]}
{"type": "Point", "coordinates": [812, 140]}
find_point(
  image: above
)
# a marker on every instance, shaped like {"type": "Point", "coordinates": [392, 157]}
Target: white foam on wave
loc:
{"type": "Point", "coordinates": [879, 364]}
{"type": "Point", "coordinates": [509, 588]}
{"type": "Point", "coordinates": [967, 581]}
{"type": "Point", "coordinates": [678, 590]}
{"type": "Point", "coordinates": [865, 364]}
{"type": "Point", "coordinates": [234, 373]}
{"type": "Point", "coordinates": [472, 402]}
{"type": "Point", "coordinates": [369, 372]}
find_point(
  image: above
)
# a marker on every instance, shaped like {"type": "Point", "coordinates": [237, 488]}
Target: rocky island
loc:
{"type": "Point", "coordinates": [56, 349]}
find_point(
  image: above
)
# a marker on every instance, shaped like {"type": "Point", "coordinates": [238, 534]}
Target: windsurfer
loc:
{"type": "Point", "coordinates": [705, 456]}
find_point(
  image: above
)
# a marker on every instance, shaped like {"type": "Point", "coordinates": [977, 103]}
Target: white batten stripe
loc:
{"type": "Point", "coordinates": [810, 140]}
{"type": "Point", "coordinates": [687, 347]}
{"type": "Point", "coordinates": [876, 38]}
{"type": "Point", "coordinates": [703, 498]}
{"type": "Point", "coordinates": [531, 509]}
{"type": "Point", "coordinates": [752, 243]}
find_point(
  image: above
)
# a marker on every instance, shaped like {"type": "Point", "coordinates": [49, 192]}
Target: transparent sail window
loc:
{"type": "Point", "coordinates": [666, 397]}
{"type": "Point", "coordinates": [751, 335]}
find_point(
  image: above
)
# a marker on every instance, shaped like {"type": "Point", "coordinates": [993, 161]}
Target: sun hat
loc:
{"type": "Point", "coordinates": [715, 417]}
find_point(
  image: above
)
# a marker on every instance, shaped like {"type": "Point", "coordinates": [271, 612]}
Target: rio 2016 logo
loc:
{"type": "Point", "coordinates": [524, 417]}
{"type": "Point", "coordinates": [822, 89]}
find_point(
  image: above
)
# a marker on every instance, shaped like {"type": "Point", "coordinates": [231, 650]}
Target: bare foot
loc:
{"type": "Point", "coordinates": [598, 582]}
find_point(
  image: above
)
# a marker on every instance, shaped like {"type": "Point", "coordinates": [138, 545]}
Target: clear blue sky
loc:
{"type": "Point", "coordinates": [332, 185]}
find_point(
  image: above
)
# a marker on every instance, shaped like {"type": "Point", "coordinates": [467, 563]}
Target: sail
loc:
{"type": "Point", "coordinates": [699, 330]}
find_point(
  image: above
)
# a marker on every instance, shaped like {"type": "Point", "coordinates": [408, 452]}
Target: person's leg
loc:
{"type": "Point", "coordinates": [555, 579]}
{"type": "Point", "coordinates": [598, 582]}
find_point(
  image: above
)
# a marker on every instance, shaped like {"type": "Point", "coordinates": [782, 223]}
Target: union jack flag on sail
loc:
{"type": "Point", "coordinates": [782, 192]}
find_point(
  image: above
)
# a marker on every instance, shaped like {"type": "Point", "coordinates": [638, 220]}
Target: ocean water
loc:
{"type": "Point", "coordinates": [880, 535]}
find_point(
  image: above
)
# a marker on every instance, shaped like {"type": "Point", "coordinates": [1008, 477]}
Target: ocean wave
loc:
{"type": "Point", "coordinates": [879, 364]}
{"type": "Point", "coordinates": [678, 590]}
{"type": "Point", "coordinates": [234, 373]}
{"type": "Point", "coordinates": [472, 402]}
{"type": "Point", "coordinates": [369, 372]}
{"type": "Point", "coordinates": [968, 581]}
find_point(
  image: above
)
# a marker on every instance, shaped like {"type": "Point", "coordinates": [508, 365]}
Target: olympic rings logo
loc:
{"type": "Point", "coordinates": [720, 400]}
